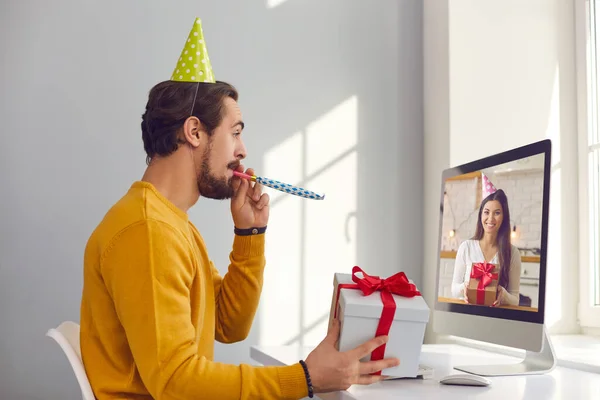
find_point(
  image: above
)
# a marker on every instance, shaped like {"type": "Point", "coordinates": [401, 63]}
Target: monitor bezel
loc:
{"type": "Point", "coordinates": [541, 147]}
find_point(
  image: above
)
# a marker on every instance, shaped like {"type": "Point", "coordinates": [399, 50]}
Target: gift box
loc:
{"type": "Point", "coordinates": [483, 284]}
{"type": "Point", "coordinates": [368, 306]}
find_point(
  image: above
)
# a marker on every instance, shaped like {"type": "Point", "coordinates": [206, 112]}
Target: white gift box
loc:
{"type": "Point", "coordinates": [359, 317]}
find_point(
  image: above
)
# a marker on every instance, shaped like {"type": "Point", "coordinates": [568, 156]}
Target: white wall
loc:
{"type": "Point", "coordinates": [509, 67]}
{"type": "Point", "coordinates": [436, 124]}
{"type": "Point", "coordinates": [332, 96]}
{"type": "Point", "coordinates": [503, 69]}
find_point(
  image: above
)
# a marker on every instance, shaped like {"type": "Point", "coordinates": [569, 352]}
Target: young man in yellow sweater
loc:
{"type": "Point", "coordinates": [153, 303]}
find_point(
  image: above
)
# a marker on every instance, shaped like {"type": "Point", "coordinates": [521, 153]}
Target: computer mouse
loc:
{"type": "Point", "coordinates": [465, 380]}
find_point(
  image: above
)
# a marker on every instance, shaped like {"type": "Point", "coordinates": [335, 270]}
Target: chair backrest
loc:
{"type": "Point", "coordinates": [67, 336]}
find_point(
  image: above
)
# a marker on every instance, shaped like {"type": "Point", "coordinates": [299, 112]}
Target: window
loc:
{"type": "Point", "coordinates": [588, 71]}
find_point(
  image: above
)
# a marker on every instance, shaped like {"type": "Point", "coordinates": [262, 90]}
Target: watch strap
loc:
{"type": "Point", "coordinates": [249, 231]}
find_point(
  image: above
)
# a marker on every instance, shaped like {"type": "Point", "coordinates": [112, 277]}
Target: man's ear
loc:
{"type": "Point", "coordinates": [193, 131]}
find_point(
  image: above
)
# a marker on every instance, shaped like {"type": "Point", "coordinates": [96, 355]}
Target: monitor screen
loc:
{"type": "Point", "coordinates": [492, 237]}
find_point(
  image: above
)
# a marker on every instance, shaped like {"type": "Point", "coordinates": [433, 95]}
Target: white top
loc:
{"type": "Point", "coordinates": [470, 252]}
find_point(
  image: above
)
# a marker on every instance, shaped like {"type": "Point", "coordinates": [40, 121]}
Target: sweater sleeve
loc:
{"type": "Point", "coordinates": [237, 294]}
{"type": "Point", "coordinates": [148, 270]}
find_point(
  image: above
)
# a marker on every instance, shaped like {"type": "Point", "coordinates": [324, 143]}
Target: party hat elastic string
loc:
{"type": "Point", "coordinates": [194, 101]}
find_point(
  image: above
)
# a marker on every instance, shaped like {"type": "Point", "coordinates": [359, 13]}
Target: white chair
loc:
{"type": "Point", "coordinates": [67, 336]}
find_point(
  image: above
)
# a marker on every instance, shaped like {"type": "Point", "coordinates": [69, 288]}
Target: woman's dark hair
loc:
{"type": "Point", "coordinates": [170, 104]}
{"type": "Point", "coordinates": [503, 238]}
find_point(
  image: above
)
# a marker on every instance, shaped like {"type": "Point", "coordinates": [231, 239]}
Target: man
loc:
{"type": "Point", "coordinates": [153, 303]}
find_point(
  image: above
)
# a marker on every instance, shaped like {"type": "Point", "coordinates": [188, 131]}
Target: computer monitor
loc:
{"type": "Point", "coordinates": [493, 236]}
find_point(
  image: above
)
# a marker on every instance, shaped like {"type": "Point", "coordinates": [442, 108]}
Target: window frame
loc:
{"type": "Point", "coordinates": [588, 313]}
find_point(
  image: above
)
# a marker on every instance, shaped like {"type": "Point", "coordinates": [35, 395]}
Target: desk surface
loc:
{"type": "Point", "coordinates": [562, 383]}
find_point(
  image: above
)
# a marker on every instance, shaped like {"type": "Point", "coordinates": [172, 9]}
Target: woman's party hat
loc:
{"type": "Point", "coordinates": [487, 187]}
{"type": "Point", "coordinates": [193, 64]}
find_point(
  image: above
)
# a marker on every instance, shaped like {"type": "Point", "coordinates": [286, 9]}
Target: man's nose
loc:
{"type": "Point", "coordinates": [241, 151]}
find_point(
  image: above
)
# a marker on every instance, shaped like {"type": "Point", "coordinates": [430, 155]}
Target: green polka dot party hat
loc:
{"type": "Point", "coordinates": [193, 64]}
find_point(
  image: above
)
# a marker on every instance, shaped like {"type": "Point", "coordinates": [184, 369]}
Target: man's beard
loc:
{"type": "Point", "coordinates": [211, 186]}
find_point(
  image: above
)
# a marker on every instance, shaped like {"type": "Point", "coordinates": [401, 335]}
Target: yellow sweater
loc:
{"type": "Point", "coordinates": [153, 304]}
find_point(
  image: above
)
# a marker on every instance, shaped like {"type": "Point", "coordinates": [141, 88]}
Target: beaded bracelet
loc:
{"type": "Point", "coordinates": [308, 381]}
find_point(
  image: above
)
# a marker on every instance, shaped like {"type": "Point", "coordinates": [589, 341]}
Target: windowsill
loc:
{"type": "Point", "coordinates": [581, 352]}
{"type": "Point", "coordinates": [577, 351]}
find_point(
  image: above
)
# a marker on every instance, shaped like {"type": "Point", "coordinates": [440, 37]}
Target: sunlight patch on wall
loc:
{"type": "Point", "coordinates": [553, 126]}
{"type": "Point", "coordinates": [554, 282]}
{"type": "Point", "coordinates": [274, 3]}
{"type": "Point", "coordinates": [332, 135]}
{"type": "Point", "coordinates": [284, 163]}
{"type": "Point", "coordinates": [307, 240]}
{"type": "Point", "coordinates": [330, 243]}
{"type": "Point", "coordinates": [280, 300]}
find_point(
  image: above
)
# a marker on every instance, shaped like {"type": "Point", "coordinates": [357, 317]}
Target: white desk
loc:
{"type": "Point", "coordinates": [562, 383]}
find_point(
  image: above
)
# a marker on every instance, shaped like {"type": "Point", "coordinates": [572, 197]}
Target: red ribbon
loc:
{"type": "Point", "coordinates": [397, 284]}
{"type": "Point", "coordinates": [483, 272]}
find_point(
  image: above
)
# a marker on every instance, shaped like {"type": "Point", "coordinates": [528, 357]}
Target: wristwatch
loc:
{"type": "Point", "coordinates": [249, 231]}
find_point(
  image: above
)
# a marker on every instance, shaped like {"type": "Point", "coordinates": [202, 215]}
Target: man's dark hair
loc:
{"type": "Point", "coordinates": [170, 104]}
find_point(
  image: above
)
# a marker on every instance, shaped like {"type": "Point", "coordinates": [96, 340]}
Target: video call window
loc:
{"type": "Point", "coordinates": [491, 235]}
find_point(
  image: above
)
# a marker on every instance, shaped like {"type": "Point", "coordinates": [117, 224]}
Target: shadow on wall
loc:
{"type": "Point", "coordinates": [332, 97]}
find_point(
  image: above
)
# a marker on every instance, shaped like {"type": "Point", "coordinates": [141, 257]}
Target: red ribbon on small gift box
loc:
{"type": "Point", "coordinates": [396, 284]}
{"type": "Point", "coordinates": [483, 272]}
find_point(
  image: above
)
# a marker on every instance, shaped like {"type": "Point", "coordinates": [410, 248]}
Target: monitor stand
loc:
{"type": "Point", "coordinates": [533, 363]}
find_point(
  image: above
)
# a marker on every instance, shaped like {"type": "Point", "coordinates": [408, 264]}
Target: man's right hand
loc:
{"type": "Point", "coordinates": [332, 370]}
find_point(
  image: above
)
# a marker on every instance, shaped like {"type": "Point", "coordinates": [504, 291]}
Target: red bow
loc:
{"type": "Point", "coordinates": [483, 272]}
{"type": "Point", "coordinates": [397, 284]}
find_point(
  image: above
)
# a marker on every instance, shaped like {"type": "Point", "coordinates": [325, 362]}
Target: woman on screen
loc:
{"type": "Point", "coordinates": [491, 243]}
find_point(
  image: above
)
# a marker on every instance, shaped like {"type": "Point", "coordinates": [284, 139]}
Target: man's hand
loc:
{"type": "Point", "coordinates": [249, 208]}
{"type": "Point", "coordinates": [332, 370]}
